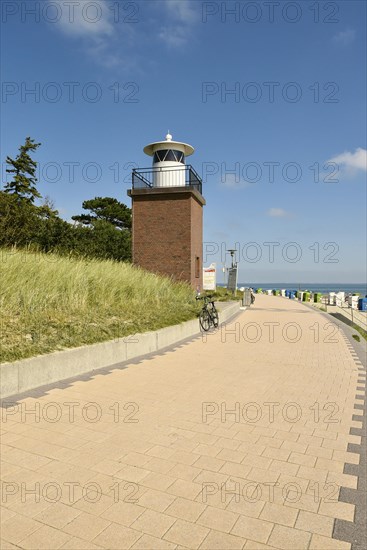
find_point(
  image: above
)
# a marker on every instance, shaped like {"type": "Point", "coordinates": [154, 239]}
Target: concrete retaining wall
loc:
{"type": "Point", "coordinates": [28, 374]}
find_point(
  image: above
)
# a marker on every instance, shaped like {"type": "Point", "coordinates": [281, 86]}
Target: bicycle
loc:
{"type": "Point", "coordinates": [208, 315]}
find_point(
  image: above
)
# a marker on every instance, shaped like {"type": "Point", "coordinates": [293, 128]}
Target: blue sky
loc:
{"type": "Point", "coordinates": [272, 97]}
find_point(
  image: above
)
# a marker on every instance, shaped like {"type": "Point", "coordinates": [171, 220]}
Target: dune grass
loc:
{"type": "Point", "coordinates": [222, 294]}
{"type": "Point", "coordinates": [49, 302]}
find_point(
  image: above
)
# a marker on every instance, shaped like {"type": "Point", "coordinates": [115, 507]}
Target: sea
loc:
{"type": "Point", "coordinates": [324, 288]}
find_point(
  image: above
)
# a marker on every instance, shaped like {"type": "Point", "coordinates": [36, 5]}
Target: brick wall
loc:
{"type": "Point", "coordinates": [196, 243]}
{"type": "Point", "coordinates": [167, 234]}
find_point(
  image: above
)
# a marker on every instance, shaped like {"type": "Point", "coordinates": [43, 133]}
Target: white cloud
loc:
{"type": "Point", "coordinates": [85, 20]}
{"type": "Point", "coordinates": [92, 24]}
{"type": "Point", "coordinates": [351, 163]}
{"type": "Point", "coordinates": [181, 15]}
{"type": "Point", "coordinates": [174, 36]}
{"type": "Point", "coordinates": [278, 213]}
{"type": "Point", "coordinates": [344, 37]}
{"type": "Point", "coordinates": [107, 42]}
{"type": "Point", "coordinates": [182, 10]}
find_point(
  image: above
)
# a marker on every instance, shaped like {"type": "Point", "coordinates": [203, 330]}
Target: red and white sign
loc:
{"type": "Point", "coordinates": [210, 277]}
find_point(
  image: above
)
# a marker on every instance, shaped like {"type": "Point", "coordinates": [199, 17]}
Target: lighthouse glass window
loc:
{"type": "Point", "coordinates": [169, 155]}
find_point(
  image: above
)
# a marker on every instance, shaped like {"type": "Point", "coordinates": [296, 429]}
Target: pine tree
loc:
{"type": "Point", "coordinates": [107, 209]}
{"type": "Point", "coordinates": [23, 185]}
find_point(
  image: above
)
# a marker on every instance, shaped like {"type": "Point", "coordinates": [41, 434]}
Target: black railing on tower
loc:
{"type": "Point", "coordinates": [149, 178]}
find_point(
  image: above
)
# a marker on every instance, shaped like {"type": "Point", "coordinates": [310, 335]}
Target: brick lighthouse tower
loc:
{"type": "Point", "coordinates": [167, 207]}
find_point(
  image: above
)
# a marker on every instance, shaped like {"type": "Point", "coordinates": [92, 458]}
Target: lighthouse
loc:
{"type": "Point", "coordinates": [167, 213]}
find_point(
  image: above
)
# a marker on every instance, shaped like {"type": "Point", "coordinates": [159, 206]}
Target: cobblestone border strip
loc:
{"type": "Point", "coordinates": [354, 532]}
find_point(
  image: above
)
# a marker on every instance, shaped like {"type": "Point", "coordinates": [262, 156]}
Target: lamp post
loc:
{"type": "Point", "coordinates": [232, 252]}
{"type": "Point", "coordinates": [232, 284]}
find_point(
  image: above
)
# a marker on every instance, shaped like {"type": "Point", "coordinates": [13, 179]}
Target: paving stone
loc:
{"type": "Point", "coordinates": [135, 459]}
{"type": "Point", "coordinates": [253, 545]}
{"type": "Point", "coordinates": [282, 515]}
{"type": "Point", "coordinates": [16, 528]}
{"type": "Point", "coordinates": [330, 465]}
{"type": "Point", "coordinates": [342, 480]}
{"type": "Point", "coordinates": [186, 534]}
{"type": "Point", "coordinates": [156, 500]}
{"type": "Point", "coordinates": [132, 473]}
{"type": "Point", "coordinates": [289, 539]}
{"type": "Point", "coordinates": [237, 470]}
{"type": "Point", "coordinates": [217, 540]}
{"type": "Point", "coordinates": [160, 452]}
{"type": "Point", "coordinates": [153, 523]}
{"type": "Point", "coordinates": [284, 467]}
{"type": "Point", "coordinates": [208, 463]}
{"type": "Point", "coordinates": [146, 542]}
{"type": "Point", "coordinates": [226, 443]}
{"type": "Point", "coordinates": [95, 504]}
{"type": "Point", "coordinates": [246, 507]}
{"type": "Point", "coordinates": [319, 452]}
{"type": "Point", "coordinates": [123, 513]}
{"type": "Point", "coordinates": [231, 455]}
{"type": "Point", "coordinates": [252, 528]}
{"type": "Point", "coordinates": [5, 545]}
{"type": "Point", "coordinates": [46, 537]}
{"type": "Point", "coordinates": [107, 466]}
{"type": "Point", "coordinates": [206, 450]}
{"type": "Point", "coordinates": [74, 543]}
{"type": "Point", "coordinates": [315, 523]}
{"type": "Point", "coordinates": [184, 471]}
{"type": "Point", "coordinates": [86, 526]}
{"type": "Point", "coordinates": [302, 459]}
{"type": "Point", "coordinates": [214, 518]}
{"type": "Point", "coordinates": [183, 508]}
{"type": "Point", "coordinates": [263, 476]}
{"type": "Point", "coordinates": [58, 515]}
{"type": "Point", "coordinates": [157, 481]}
{"type": "Point", "coordinates": [5, 514]}
{"type": "Point", "coordinates": [207, 476]}
{"type": "Point", "coordinates": [183, 457]}
{"type": "Point", "coordinates": [218, 498]}
{"type": "Point", "coordinates": [185, 489]}
{"type": "Point", "coordinates": [319, 542]}
{"type": "Point", "coordinates": [116, 537]}
{"type": "Point", "coordinates": [341, 510]}
{"type": "Point", "coordinates": [278, 454]}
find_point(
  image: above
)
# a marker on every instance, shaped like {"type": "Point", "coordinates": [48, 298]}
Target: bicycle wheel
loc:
{"type": "Point", "coordinates": [204, 319]}
{"type": "Point", "coordinates": [215, 317]}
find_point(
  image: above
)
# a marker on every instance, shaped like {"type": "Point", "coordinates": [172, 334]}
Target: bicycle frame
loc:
{"type": "Point", "coordinates": [210, 310]}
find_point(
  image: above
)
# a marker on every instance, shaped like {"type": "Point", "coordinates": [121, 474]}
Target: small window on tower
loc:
{"type": "Point", "coordinates": [197, 267]}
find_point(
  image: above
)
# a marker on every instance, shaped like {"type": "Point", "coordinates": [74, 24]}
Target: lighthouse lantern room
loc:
{"type": "Point", "coordinates": [168, 161]}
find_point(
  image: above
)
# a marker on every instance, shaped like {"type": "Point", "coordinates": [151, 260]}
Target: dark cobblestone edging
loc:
{"type": "Point", "coordinates": [355, 532]}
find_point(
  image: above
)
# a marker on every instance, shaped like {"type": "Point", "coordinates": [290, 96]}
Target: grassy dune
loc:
{"type": "Point", "coordinates": [50, 303]}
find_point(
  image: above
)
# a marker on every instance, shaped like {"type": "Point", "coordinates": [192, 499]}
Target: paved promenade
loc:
{"type": "Point", "coordinates": [241, 439]}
